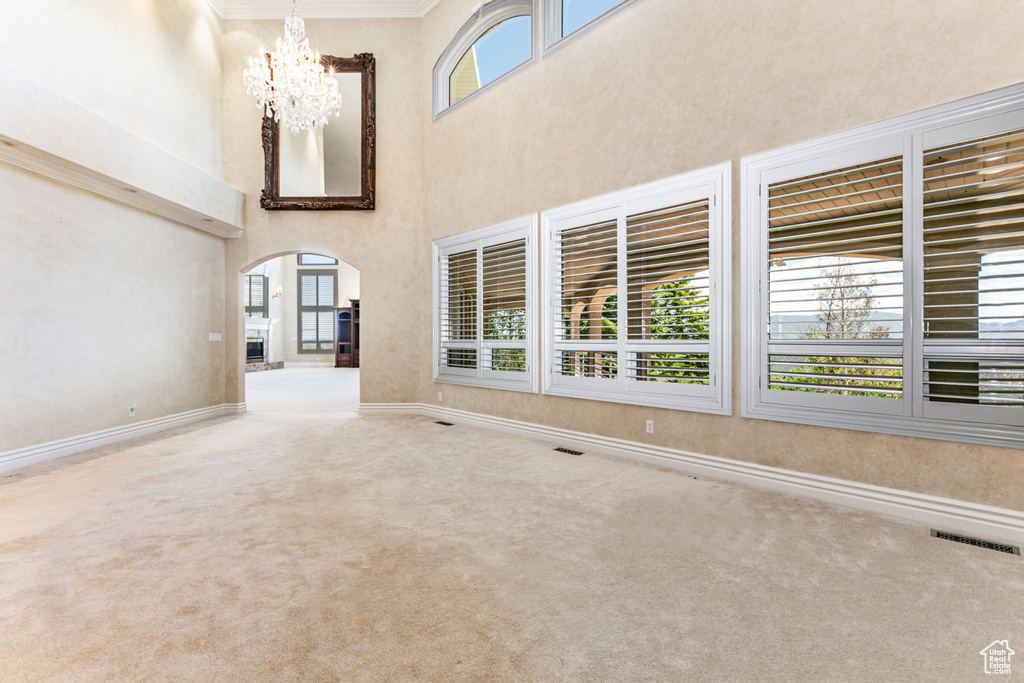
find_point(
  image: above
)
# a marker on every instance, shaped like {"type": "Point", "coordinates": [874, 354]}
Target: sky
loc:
{"type": "Point", "coordinates": [576, 13]}
{"type": "Point", "coordinates": [503, 48]}
{"type": "Point", "coordinates": [508, 44]}
{"type": "Point", "coordinates": [999, 271]}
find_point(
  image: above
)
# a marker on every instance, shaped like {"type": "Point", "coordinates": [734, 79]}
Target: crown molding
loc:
{"type": "Point", "coordinates": [217, 6]}
{"type": "Point", "coordinates": [322, 9]}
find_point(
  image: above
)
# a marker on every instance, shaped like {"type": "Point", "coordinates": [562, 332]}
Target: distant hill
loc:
{"type": "Point", "coordinates": [797, 324]}
{"type": "Point", "coordinates": [794, 325]}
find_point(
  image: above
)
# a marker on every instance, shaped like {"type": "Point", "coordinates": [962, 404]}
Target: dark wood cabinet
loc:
{"type": "Point", "coordinates": [355, 332]}
{"type": "Point", "coordinates": [346, 335]}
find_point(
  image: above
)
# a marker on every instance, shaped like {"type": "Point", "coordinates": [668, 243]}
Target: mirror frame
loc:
{"type": "Point", "coordinates": [365, 64]}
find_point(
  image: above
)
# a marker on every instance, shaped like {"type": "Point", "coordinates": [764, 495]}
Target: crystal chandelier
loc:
{"type": "Point", "coordinates": [293, 87]}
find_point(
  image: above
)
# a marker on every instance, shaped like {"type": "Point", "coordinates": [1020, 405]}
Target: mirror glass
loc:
{"type": "Point", "coordinates": [326, 161]}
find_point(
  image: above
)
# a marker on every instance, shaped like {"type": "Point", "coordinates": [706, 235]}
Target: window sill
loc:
{"type": "Point", "coordinates": [1006, 436]}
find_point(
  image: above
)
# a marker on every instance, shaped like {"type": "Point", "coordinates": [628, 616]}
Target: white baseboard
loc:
{"type": "Point", "coordinates": [234, 408]}
{"type": "Point", "coordinates": [23, 457]}
{"type": "Point", "coordinates": [988, 522]}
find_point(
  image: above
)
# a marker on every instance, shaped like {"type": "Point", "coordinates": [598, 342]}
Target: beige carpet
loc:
{"type": "Point", "coordinates": [299, 542]}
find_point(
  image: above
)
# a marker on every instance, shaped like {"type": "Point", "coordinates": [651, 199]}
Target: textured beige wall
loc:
{"type": "Point", "coordinates": [668, 86]}
{"type": "Point", "coordinates": [101, 304]}
{"type": "Point", "coordinates": [153, 67]}
{"type": "Point", "coordinates": [381, 244]}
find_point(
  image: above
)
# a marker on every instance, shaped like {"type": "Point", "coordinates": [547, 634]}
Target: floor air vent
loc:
{"type": "Point", "coordinates": [990, 545]}
{"type": "Point", "coordinates": [569, 451]}
{"type": "Point", "coordinates": [446, 424]}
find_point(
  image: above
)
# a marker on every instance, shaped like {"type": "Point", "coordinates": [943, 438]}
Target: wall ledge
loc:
{"type": "Point", "coordinates": [942, 513]}
{"type": "Point", "coordinates": [50, 135]}
{"type": "Point", "coordinates": [23, 457]}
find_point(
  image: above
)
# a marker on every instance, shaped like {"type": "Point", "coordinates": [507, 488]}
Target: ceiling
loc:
{"type": "Point", "coordinates": [321, 9]}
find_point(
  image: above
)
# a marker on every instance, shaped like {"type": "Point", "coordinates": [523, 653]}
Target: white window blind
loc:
{"type": "Point", "coordinates": [974, 273]}
{"type": "Point", "coordinates": [256, 296]}
{"type": "Point", "coordinates": [636, 284]}
{"type": "Point", "coordinates": [883, 278]}
{"type": "Point", "coordinates": [587, 316]}
{"type": "Point", "coordinates": [504, 305]}
{"type": "Point", "coordinates": [668, 294]}
{"type": "Point", "coordinates": [459, 310]}
{"type": "Point", "coordinates": [317, 293]}
{"type": "Point", "coordinates": [483, 301]}
{"type": "Point", "coordinates": [835, 282]}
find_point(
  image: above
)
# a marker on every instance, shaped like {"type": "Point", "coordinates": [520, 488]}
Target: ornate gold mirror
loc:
{"type": "Point", "coordinates": [331, 167]}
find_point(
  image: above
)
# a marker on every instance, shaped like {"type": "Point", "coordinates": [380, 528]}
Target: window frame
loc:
{"type": "Point", "coordinates": [553, 15]}
{"type": "Point", "coordinates": [915, 132]}
{"type": "Point", "coordinates": [713, 183]}
{"type": "Point", "coordinates": [300, 309]}
{"type": "Point", "coordinates": [524, 227]}
{"type": "Point", "coordinates": [300, 256]}
{"type": "Point", "coordinates": [248, 307]}
{"type": "Point", "coordinates": [486, 17]}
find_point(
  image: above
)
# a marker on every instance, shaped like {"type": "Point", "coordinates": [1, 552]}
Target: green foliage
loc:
{"type": "Point", "coordinates": [845, 309]}
{"type": "Point", "coordinates": [678, 311]}
{"type": "Point", "coordinates": [509, 323]}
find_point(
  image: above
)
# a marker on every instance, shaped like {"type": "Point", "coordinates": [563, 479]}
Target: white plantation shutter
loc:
{"type": "Point", "coordinates": [317, 293]}
{"type": "Point", "coordinates": [459, 311]}
{"type": "Point", "coordinates": [256, 296]}
{"type": "Point", "coordinates": [309, 296]}
{"type": "Point", "coordinates": [325, 290]}
{"type": "Point", "coordinates": [504, 306]}
{"type": "Point", "coordinates": [309, 326]}
{"type": "Point", "coordinates": [636, 282]}
{"type": "Point", "coordinates": [974, 275]}
{"type": "Point", "coordinates": [586, 276]}
{"type": "Point", "coordinates": [883, 286]}
{"type": "Point", "coordinates": [835, 282]}
{"type": "Point", "coordinates": [483, 301]}
{"type": "Point", "coordinates": [325, 326]}
{"type": "Point", "coordinates": [668, 294]}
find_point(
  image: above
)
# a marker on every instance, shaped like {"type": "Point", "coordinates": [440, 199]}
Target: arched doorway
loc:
{"type": "Point", "coordinates": [300, 314]}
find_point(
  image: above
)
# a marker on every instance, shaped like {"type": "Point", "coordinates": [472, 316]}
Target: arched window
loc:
{"type": "Point", "coordinates": [496, 41]}
{"type": "Point", "coordinates": [564, 18]}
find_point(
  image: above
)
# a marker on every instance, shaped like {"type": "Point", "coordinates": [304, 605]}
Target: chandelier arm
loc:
{"type": "Point", "coordinates": [292, 83]}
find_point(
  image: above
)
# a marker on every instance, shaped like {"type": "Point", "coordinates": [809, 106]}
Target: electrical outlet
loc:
{"type": "Point", "coordinates": [215, 336]}
{"type": "Point", "coordinates": [131, 410]}
{"type": "Point", "coordinates": [650, 426]}
{"type": "Point", "coordinates": [440, 398]}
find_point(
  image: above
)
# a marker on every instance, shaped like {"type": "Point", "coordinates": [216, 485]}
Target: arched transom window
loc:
{"type": "Point", "coordinates": [496, 41]}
